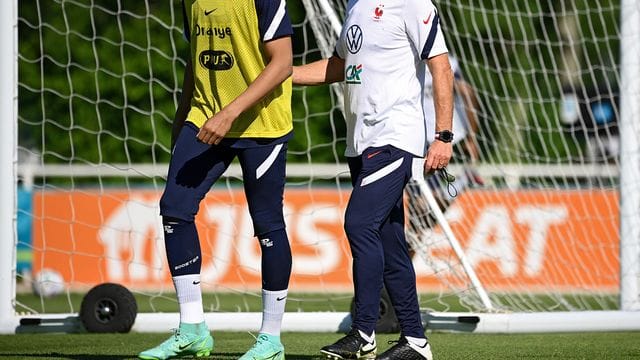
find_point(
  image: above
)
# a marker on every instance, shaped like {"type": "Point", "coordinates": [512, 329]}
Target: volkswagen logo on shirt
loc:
{"type": "Point", "coordinates": [354, 39]}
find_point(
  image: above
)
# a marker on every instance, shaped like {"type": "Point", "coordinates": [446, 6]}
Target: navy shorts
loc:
{"type": "Point", "coordinates": [374, 224]}
{"type": "Point", "coordinates": [196, 166]}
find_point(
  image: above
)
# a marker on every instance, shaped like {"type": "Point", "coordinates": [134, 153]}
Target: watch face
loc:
{"type": "Point", "coordinates": [445, 136]}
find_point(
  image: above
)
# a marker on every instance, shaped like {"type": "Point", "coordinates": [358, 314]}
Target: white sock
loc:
{"type": "Point", "coordinates": [417, 341]}
{"type": "Point", "coordinates": [421, 345]}
{"type": "Point", "coordinates": [272, 311]}
{"type": "Point", "coordinates": [189, 298]}
{"type": "Point", "coordinates": [370, 338]}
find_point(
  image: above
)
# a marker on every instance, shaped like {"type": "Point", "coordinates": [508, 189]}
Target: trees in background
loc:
{"type": "Point", "coordinates": [100, 83]}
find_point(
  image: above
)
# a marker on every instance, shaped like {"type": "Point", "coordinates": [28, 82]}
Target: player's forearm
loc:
{"type": "Point", "coordinates": [471, 103]}
{"type": "Point", "coordinates": [471, 106]}
{"type": "Point", "coordinates": [319, 72]}
{"type": "Point", "coordinates": [442, 92]}
{"type": "Point", "coordinates": [275, 73]}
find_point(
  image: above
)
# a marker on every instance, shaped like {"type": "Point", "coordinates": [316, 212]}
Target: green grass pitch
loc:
{"type": "Point", "coordinates": [305, 346]}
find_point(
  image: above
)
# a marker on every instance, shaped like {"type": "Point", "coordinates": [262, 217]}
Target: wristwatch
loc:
{"type": "Point", "coordinates": [444, 136]}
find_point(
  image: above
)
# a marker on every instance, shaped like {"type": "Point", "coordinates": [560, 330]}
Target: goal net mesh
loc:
{"type": "Point", "coordinates": [534, 207]}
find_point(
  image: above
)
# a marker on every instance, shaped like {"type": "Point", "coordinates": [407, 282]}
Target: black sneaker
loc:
{"type": "Point", "coordinates": [404, 350]}
{"type": "Point", "coordinates": [351, 346]}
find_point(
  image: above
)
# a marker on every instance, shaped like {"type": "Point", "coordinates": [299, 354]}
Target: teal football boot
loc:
{"type": "Point", "coordinates": [188, 340]}
{"type": "Point", "coordinates": [267, 347]}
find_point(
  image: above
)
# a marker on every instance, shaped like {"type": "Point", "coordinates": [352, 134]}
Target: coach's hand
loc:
{"type": "Point", "coordinates": [216, 127]}
{"type": "Point", "coordinates": [438, 156]}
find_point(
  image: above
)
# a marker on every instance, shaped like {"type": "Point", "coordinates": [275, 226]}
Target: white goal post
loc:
{"type": "Point", "coordinates": [630, 158]}
{"type": "Point", "coordinates": [8, 161]}
{"type": "Point", "coordinates": [511, 255]}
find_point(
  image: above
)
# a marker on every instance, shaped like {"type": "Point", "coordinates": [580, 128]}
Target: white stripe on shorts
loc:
{"type": "Point", "coordinates": [382, 172]}
{"type": "Point", "coordinates": [262, 169]}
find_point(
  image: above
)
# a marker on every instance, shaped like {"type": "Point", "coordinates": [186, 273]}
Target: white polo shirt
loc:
{"type": "Point", "coordinates": [384, 44]}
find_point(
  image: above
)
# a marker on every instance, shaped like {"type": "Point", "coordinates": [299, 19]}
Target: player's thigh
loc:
{"type": "Point", "coordinates": [193, 169]}
{"type": "Point", "coordinates": [264, 175]}
{"type": "Point", "coordinates": [378, 187]}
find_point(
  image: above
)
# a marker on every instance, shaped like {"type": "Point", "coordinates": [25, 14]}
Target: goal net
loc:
{"type": "Point", "coordinates": [541, 219]}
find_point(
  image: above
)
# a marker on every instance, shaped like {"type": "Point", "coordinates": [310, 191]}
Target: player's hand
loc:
{"type": "Point", "coordinates": [216, 127]}
{"type": "Point", "coordinates": [438, 156]}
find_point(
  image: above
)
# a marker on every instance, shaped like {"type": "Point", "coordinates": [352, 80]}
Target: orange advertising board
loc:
{"type": "Point", "coordinates": [524, 240]}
